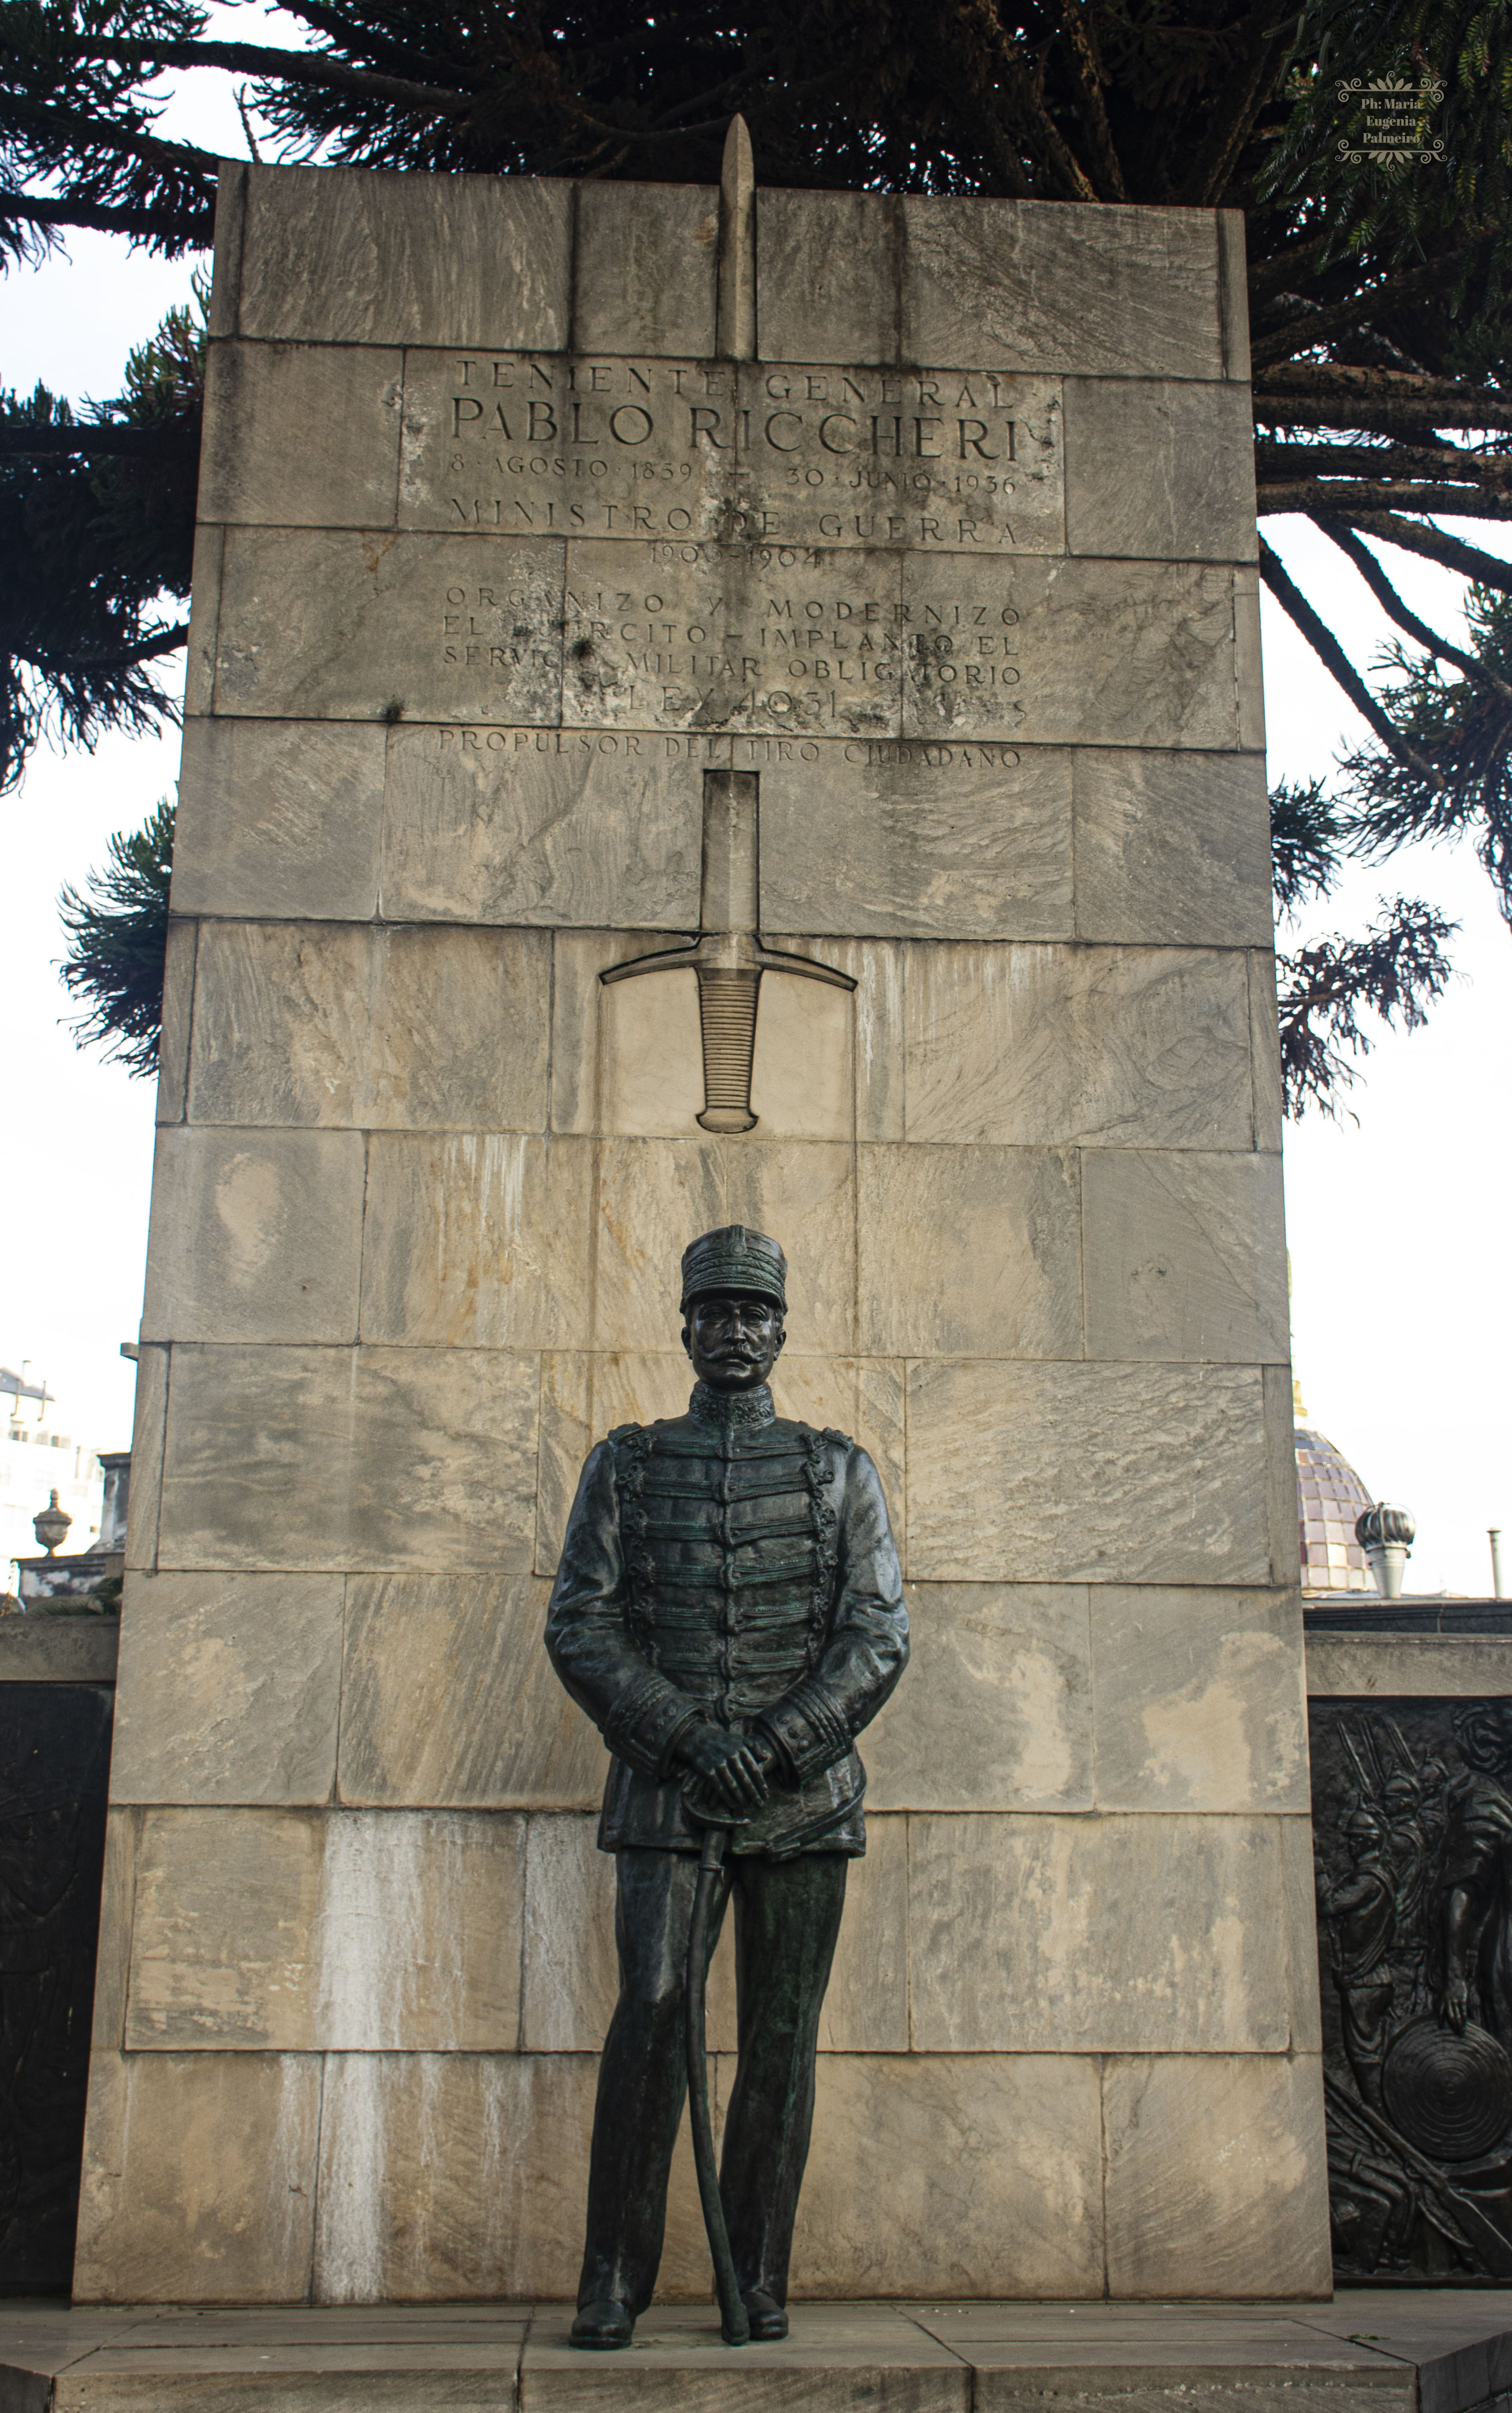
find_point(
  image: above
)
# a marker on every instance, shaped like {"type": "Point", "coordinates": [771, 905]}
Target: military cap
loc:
{"type": "Point", "coordinates": [735, 1258]}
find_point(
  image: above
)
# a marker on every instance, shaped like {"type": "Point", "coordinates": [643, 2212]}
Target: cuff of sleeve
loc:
{"type": "Point", "coordinates": [807, 1729]}
{"type": "Point", "coordinates": [644, 1726]}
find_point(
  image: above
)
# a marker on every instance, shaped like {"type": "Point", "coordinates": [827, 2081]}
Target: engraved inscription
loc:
{"type": "Point", "coordinates": [543, 444]}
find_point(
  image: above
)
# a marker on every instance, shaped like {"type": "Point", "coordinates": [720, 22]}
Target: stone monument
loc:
{"type": "Point", "coordinates": [833, 585]}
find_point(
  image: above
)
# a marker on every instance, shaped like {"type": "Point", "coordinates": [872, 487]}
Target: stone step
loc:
{"type": "Point", "coordinates": [1371, 2351]}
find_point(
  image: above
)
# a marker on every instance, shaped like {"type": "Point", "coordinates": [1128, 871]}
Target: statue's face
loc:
{"type": "Point", "coordinates": [733, 1338]}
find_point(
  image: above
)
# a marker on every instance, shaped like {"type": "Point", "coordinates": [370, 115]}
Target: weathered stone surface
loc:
{"type": "Point", "coordinates": [805, 1192]}
{"type": "Point", "coordinates": [230, 1688]}
{"type": "Point", "coordinates": [628, 1058]}
{"type": "Point", "coordinates": [112, 1966]}
{"type": "Point", "coordinates": [1132, 1047]}
{"type": "Point", "coordinates": [1198, 1700]}
{"type": "Point", "coordinates": [178, 1006]}
{"type": "Point", "coordinates": [652, 1197]}
{"type": "Point", "coordinates": [1216, 2181]}
{"type": "Point", "coordinates": [556, 826]}
{"type": "Point", "coordinates": [1172, 848]}
{"type": "Point", "coordinates": [803, 1078]}
{"type": "Point", "coordinates": [1184, 1255]}
{"type": "Point", "coordinates": [349, 1458]}
{"type": "Point", "coordinates": [340, 255]}
{"type": "Point", "coordinates": [204, 614]}
{"type": "Point", "coordinates": [1265, 1051]}
{"type": "Point", "coordinates": [465, 2174]}
{"type": "Point", "coordinates": [863, 1397]}
{"type": "Point", "coordinates": [1060, 653]}
{"type": "Point", "coordinates": [388, 1029]}
{"type": "Point", "coordinates": [59, 1650]}
{"type": "Point", "coordinates": [1111, 292]}
{"type": "Point", "coordinates": [996, 1710]}
{"type": "Point", "coordinates": [1300, 1877]}
{"type": "Point", "coordinates": [866, 2007]}
{"type": "Point", "coordinates": [301, 435]}
{"type": "Point", "coordinates": [477, 1239]}
{"type": "Point", "coordinates": [828, 276]}
{"type": "Point", "coordinates": [327, 1931]}
{"type": "Point", "coordinates": [1280, 1476]}
{"type": "Point", "coordinates": [928, 840]}
{"type": "Point", "coordinates": [1064, 1474]}
{"type": "Point", "coordinates": [1160, 472]}
{"type": "Point", "coordinates": [644, 270]}
{"type": "Point", "coordinates": [706, 454]}
{"type": "Point", "coordinates": [449, 1699]}
{"type": "Point", "coordinates": [230, 230]}
{"type": "Point", "coordinates": [973, 1249]}
{"type": "Point", "coordinates": [1234, 293]}
{"type": "Point", "coordinates": [281, 818]}
{"type": "Point", "coordinates": [581, 1398]}
{"type": "Point", "coordinates": [255, 1235]}
{"type": "Point", "coordinates": [1248, 667]}
{"type": "Point", "coordinates": [199, 2179]}
{"type": "Point", "coordinates": [322, 624]}
{"type": "Point", "coordinates": [572, 1979]}
{"type": "Point", "coordinates": [1084, 1934]}
{"type": "Point", "coordinates": [148, 1426]}
{"type": "Point", "coordinates": [1432, 1666]}
{"type": "Point", "coordinates": [952, 2175]}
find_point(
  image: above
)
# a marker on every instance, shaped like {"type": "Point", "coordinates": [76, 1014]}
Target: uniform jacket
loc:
{"type": "Point", "coordinates": [731, 1567]}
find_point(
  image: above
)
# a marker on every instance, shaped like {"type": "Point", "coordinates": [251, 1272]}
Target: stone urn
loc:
{"type": "Point", "coordinates": [50, 1524]}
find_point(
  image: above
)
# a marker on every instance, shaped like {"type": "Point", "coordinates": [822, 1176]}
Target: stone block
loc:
{"type": "Point", "coordinates": [345, 255]}
{"type": "Point", "coordinates": [113, 1965]}
{"type": "Point", "coordinates": [1198, 1698]}
{"type": "Point", "coordinates": [1280, 1476]}
{"type": "Point", "coordinates": [230, 1688]}
{"type": "Point", "coordinates": [350, 1458]}
{"type": "Point", "coordinates": [952, 2175]}
{"type": "Point", "coordinates": [541, 825]}
{"type": "Point", "coordinates": [148, 1426]}
{"type": "Point", "coordinates": [477, 1239]}
{"type": "Point", "coordinates": [1248, 666]}
{"type": "Point", "coordinates": [827, 271]}
{"type": "Point", "coordinates": [1102, 1474]}
{"type": "Point", "coordinates": [968, 1249]}
{"type": "Point", "coordinates": [919, 840]}
{"type": "Point", "coordinates": [1265, 1043]}
{"type": "Point", "coordinates": [644, 270]}
{"type": "Point", "coordinates": [279, 820]}
{"type": "Point", "coordinates": [802, 1075]}
{"type": "Point", "coordinates": [327, 1931]}
{"type": "Point", "coordinates": [58, 1649]}
{"type": "Point", "coordinates": [1184, 1255]}
{"type": "Point", "coordinates": [1299, 1876]}
{"type": "Point", "coordinates": [1172, 848]}
{"type": "Point", "coordinates": [204, 618]}
{"type": "Point", "coordinates": [323, 625]}
{"type": "Point", "coordinates": [301, 435]}
{"type": "Point", "coordinates": [996, 1710]}
{"type": "Point", "coordinates": [1216, 2177]}
{"type": "Point", "coordinates": [1068, 652]}
{"type": "Point", "coordinates": [570, 1976]}
{"type": "Point", "coordinates": [863, 1397]}
{"type": "Point", "coordinates": [199, 2179]}
{"type": "Point", "coordinates": [1234, 288]}
{"type": "Point", "coordinates": [626, 1060]}
{"type": "Point", "coordinates": [255, 1235]}
{"type": "Point", "coordinates": [449, 1699]}
{"type": "Point", "coordinates": [653, 1196]}
{"type": "Point", "coordinates": [1159, 471]}
{"type": "Point", "coordinates": [1427, 1667]}
{"type": "Point", "coordinates": [1086, 1932]}
{"type": "Point", "coordinates": [230, 228]}
{"type": "Point", "coordinates": [866, 2007]}
{"type": "Point", "coordinates": [178, 1009]}
{"type": "Point", "coordinates": [463, 2175]}
{"type": "Point", "coordinates": [398, 1029]}
{"type": "Point", "coordinates": [1091, 292]}
{"type": "Point", "coordinates": [1107, 1046]}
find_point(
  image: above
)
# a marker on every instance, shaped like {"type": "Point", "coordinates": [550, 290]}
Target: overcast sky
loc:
{"type": "Point", "coordinates": [1401, 1321]}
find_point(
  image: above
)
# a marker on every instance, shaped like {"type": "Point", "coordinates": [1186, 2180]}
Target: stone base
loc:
{"type": "Point", "coordinates": [1431, 2351]}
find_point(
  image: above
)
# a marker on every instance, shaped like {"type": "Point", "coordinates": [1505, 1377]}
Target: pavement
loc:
{"type": "Point", "coordinates": [1371, 2350]}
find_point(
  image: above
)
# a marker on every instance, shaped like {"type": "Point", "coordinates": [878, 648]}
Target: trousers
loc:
{"type": "Point", "coordinates": [786, 1921]}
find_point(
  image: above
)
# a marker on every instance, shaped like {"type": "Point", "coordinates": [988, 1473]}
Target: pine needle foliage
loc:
{"type": "Point", "coordinates": [117, 934]}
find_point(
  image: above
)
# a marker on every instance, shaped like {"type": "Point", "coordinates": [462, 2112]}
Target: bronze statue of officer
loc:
{"type": "Point", "coordinates": [728, 1609]}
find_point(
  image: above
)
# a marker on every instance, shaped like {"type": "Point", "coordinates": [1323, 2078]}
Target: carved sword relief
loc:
{"type": "Point", "coordinates": [728, 956]}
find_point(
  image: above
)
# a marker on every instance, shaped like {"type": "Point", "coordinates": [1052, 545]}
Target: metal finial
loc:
{"type": "Point", "coordinates": [735, 318]}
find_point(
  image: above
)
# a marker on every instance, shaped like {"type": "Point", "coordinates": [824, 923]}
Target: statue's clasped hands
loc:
{"type": "Point", "coordinates": [732, 1769]}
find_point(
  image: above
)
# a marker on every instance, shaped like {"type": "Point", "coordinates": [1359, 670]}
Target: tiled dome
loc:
{"type": "Point", "coordinates": [1331, 1496]}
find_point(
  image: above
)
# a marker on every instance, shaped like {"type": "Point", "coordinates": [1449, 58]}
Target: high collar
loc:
{"type": "Point", "coordinates": [732, 1411]}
